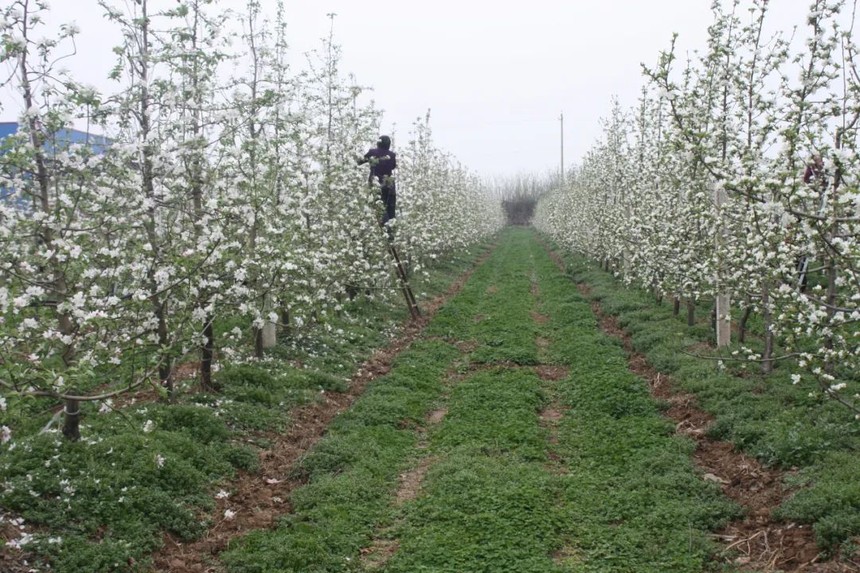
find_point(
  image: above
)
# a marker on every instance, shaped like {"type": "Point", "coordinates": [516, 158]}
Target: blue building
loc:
{"type": "Point", "coordinates": [60, 140]}
{"type": "Point", "coordinates": [57, 143]}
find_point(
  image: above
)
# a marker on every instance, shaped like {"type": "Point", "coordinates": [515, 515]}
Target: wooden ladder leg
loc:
{"type": "Point", "coordinates": [411, 302]}
{"type": "Point", "coordinates": [405, 278]}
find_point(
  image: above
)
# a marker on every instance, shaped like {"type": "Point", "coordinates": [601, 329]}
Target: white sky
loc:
{"type": "Point", "coordinates": [495, 74]}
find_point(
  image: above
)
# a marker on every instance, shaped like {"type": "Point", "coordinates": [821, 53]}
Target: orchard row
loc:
{"type": "Point", "coordinates": [226, 192]}
{"type": "Point", "coordinates": [736, 180]}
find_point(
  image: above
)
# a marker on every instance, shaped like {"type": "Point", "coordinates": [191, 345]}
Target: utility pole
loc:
{"type": "Point", "coordinates": [561, 119]}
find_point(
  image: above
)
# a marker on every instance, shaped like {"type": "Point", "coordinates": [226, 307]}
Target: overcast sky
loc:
{"type": "Point", "coordinates": [495, 74]}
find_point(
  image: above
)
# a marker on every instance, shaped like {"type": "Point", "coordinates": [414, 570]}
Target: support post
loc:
{"type": "Point", "coordinates": [269, 334]}
{"type": "Point", "coordinates": [561, 171]}
{"type": "Point", "coordinates": [723, 307]}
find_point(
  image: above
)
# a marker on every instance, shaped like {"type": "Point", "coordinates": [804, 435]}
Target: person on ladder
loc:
{"type": "Point", "coordinates": [382, 162]}
{"type": "Point", "coordinates": [816, 177]}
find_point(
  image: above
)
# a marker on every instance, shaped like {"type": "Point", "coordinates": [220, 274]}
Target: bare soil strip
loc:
{"type": "Point", "coordinates": [378, 554]}
{"type": "Point", "coordinates": [539, 318]}
{"type": "Point", "coordinates": [551, 372]}
{"type": "Point", "coordinates": [410, 481]}
{"type": "Point", "coordinates": [437, 416]}
{"type": "Point", "coordinates": [259, 499]}
{"type": "Point", "coordinates": [549, 420]}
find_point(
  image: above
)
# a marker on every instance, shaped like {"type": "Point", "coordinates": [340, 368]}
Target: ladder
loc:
{"type": "Point", "coordinates": [414, 311]}
{"type": "Point", "coordinates": [411, 303]}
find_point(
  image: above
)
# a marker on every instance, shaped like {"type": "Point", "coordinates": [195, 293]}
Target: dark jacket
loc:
{"type": "Point", "coordinates": [383, 168]}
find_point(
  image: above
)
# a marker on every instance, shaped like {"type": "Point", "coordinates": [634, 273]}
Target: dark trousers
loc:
{"type": "Point", "coordinates": [389, 201]}
{"type": "Point", "coordinates": [802, 267]}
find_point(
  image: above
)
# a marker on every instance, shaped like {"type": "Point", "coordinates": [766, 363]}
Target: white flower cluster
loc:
{"type": "Point", "coordinates": [737, 176]}
{"type": "Point", "coordinates": [25, 538]}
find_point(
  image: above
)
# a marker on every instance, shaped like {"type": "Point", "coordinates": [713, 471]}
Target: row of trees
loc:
{"type": "Point", "coordinates": [736, 179]}
{"type": "Point", "coordinates": [228, 189]}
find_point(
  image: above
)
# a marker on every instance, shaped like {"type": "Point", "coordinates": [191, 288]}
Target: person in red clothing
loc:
{"type": "Point", "coordinates": [382, 162]}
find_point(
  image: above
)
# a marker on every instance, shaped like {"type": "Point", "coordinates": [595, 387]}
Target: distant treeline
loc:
{"type": "Point", "coordinates": [520, 194]}
{"type": "Point", "coordinates": [519, 210]}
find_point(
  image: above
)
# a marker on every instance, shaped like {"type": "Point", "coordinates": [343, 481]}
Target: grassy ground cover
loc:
{"type": "Point", "coordinates": [632, 498]}
{"type": "Point", "coordinates": [607, 488]}
{"type": "Point", "coordinates": [529, 445]}
{"type": "Point", "coordinates": [149, 467]}
{"type": "Point", "coordinates": [368, 447]}
{"type": "Point", "coordinates": [782, 424]}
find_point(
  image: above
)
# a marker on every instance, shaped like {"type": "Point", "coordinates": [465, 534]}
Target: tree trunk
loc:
{"type": "Point", "coordinates": [829, 366]}
{"type": "Point", "coordinates": [165, 366]}
{"type": "Point", "coordinates": [767, 317]}
{"type": "Point", "coordinates": [258, 343]}
{"type": "Point", "coordinates": [742, 323]}
{"type": "Point", "coordinates": [59, 288]}
{"type": "Point", "coordinates": [207, 353]}
{"type": "Point", "coordinates": [691, 312]}
{"type": "Point", "coordinates": [72, 420]}
{"type": "Point", "coordinates": [285, 323]}
{"type": "Point", "coordinates": [676, 306]}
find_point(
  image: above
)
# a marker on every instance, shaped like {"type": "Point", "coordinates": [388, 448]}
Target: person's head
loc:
{"type": "Point", "coordinates": [817, 161]}
{"type": "Point", "coordinates": [384, 142]}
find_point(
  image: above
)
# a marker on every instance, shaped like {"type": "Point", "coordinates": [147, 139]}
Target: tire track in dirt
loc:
{"type": "Point", "coordinates": [383, 547]}
{"type": "Point", "coordinates": [760, 543]}
{"type": "Point", "coordinates": [259, 499]}
{"type": "Point", "coordinates": [552, 414]}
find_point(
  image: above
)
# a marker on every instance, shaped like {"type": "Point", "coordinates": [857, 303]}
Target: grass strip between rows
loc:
{"type": "Point", "coordinates": [489, 504]}
{"type": "Point", "coordinates": [633, 501]}
{"type": "Point", "coordinates": [778, 422]}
